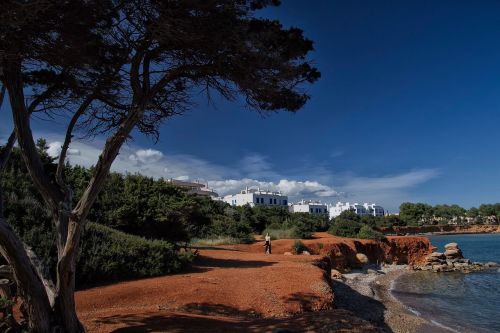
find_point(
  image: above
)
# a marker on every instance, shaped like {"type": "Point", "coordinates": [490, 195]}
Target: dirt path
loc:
{"type": "Point", "coordinates": [229, 289]}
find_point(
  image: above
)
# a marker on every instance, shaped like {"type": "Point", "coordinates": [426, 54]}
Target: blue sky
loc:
{"type": "Point", "coordinates": [407, 109]}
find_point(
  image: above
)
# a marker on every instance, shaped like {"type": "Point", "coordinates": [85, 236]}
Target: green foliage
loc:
{"type": "Point", "coordinates": [366, 232]}
{"type": "Point", "coordinates": [345, 228]}
{"type": "Point", "coordinates": [299, 247]}
{"type": "Point", "coordinates": [415, 214]}
{"type": "Point", "coordinates": [108, 255]}
{"type": "Point", "coordinates": [226, 226]}
{"type": "Point", "coordinates": [349, 215]}
{"type": "Point", "coordinates": [390, 221]}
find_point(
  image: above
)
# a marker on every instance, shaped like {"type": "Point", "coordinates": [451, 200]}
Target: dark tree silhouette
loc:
{"type": "Point", "coordinates": [114, 66]}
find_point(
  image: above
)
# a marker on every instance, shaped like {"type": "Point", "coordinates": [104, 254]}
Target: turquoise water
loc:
{"type": "Point", "coordinates": [460, 302]}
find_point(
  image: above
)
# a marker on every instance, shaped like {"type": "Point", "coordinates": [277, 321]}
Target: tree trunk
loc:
{"type": "Point", "coordinates": [31, 287]}
{"type": "Point", "coordinates": [64, 306]}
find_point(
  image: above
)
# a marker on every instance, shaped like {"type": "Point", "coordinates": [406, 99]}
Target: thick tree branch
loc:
{"type": "Point", "coordinates": [108, 155]}
{"type": "Point", "coordinates": [145, 74]}
{"type": "Point", "coordinates": [4, 157]}
{"type": "Point", "coordinates": [2, 95]}
{"type": "Point", "coordinates": [42, 97]}
{"type": "Point", "coordinates": [7, 149]}
{"type": "Point", "coordinates": [67, 140]}
{"type": "Point", "coordinates": [135, 82]}
{"type": "Point", "coordinates": [31, 287]}
{"type": "Point", "coordinates": [51, 194]}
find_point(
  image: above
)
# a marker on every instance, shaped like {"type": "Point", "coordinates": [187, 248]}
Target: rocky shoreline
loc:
{"type": "Point", "coordinates": [451, 260]}
{"type": "Point", "coordinates": [367, 294]}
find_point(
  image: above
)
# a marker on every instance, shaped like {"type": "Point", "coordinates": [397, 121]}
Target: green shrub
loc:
{"type": "Point", "coordinates": [225, 226]}
{"type": "Point", "coordinates": [367, 232]}
{"type": "Point", "coordinates": [345, 228]}
{"type": "Point", "coordinates": [108, 255]}
{"type": "Point", "coordinates": [299, 247]}
{"type": "Point", "coordinates": [214, 241]}
{"type": "Point", "coordinates": [280, 233]}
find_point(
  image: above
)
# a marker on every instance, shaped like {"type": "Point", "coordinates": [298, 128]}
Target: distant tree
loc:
{"type": "Point", "coordinates": [370, 220]}
{"type": "Point", "coordinates": [344, 228]}
{"type": "Point", "coordinates": [472, 212]}
{"type": "Point", "coordinates": [489, 211]}
{"type": "Point", "coordinates": [349, 215]}
{"type": "Point", "coordinates": [415, 213]}
{"type": "Point", "coordinates": [391, 221]}
{"type": "Point", "coordinates": [116, 66]}
{"type": "Point", "coordinates": [366, 232]}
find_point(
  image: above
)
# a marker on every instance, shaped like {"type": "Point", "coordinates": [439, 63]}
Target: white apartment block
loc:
{"type": "Point", "coordinates": [254, 197]}
{"type": "Point", "coordinates": [374, 209]}
{"type": "Point", "coordinates": [309, 206]}
{"type": "Point", "coordinates": [361, 210]}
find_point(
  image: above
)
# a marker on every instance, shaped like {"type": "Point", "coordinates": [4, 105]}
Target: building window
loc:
{"type": "Point", "coordinates": [257, 200]}
{"type": "Point", "coordinates": [261, 200]}
{"type": "Point", "coordinates": [275, 201]}
{"type": "Point", "coordinates": [284, 203]}
{"type": "Point", "coordinates": [311, 210]}
{"type": "Point", "coordinates": [270, 201]}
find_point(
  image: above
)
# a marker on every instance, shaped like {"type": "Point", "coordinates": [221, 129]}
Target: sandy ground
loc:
{"type": "Point", "coordinates": [368, 296]}
{"type": "Point", "coordinates": [240, 289]}
{"type": "Point", "coordinates": [227, 290]}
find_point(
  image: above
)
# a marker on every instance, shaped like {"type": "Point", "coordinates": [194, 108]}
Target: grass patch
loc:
{"type": "Point", "coordinates": [215, 241]}
{"type": "Point", "coordinates": [281, 233]}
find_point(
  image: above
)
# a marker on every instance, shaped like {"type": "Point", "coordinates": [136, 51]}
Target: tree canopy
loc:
{"type": "Point", "coordinates": [110, 67]}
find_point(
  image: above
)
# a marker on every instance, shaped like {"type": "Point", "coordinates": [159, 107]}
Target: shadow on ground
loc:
{"type": "Point", "coordinates": [325, 322]}
{"type": "Point", "coordinates": [202, 261]}
{"type": "Point", "coordinates": [362, 306]}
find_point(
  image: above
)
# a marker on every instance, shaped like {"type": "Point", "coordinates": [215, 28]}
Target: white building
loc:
{"type": "Point", "coordinates": [361, 210]}
{"type": "Point", "coordinates": [374, 209]}
{"type": "Point", "coordinates": [255, 197]}
{"type": "Point", "coordinates": [309, 206]}
{"type": "Point", "coordinates": [194, 187]}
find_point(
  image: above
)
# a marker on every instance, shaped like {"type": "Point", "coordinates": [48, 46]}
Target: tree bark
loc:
{"type": "Point", "coordinates": [13, 81]}
{"type": "Point", "coordinates": [31, 287]}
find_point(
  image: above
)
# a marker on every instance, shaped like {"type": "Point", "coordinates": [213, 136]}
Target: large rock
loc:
{"type": "Point", "coordinates": [437, 255]}
{"type": "Point", "coordinates": [362, 258]}
{"type": "Point", "coordinates": [453, 253]}
{"type": "Point", "coordinates": [451, 246]}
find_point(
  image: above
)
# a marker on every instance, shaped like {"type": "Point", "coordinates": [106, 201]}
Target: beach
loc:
{"type": "Point", "coordinates": [367, 295]}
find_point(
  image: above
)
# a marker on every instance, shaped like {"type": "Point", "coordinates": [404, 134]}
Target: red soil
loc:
{"type": "Point", "coordinates": [239, 288]}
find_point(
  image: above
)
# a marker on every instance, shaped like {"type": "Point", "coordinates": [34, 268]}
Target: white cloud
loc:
{"type": "Point", "coordinates": [387, 183]}
{"type": "Point", "coordinates": [311, 182]}
{"type": "Point", "coordinates": [146, 156]}
{"type": "Point", "coordinates": [55, 148]}
{"type": "Point", "coordinates": [291, 188]}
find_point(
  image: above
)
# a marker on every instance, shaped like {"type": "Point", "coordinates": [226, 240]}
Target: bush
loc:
{"type": "Point", "coordinates": [280, 233]}
{"type": "Point", "coordinates": [108, 255]}
{"type": "Point", "coordinates": [215, 241]}
{"type": "Point", "coordinates": [299, 247]}
{"type": "Point", "coordinates": [225, 226]}
{"type": "Point", "coordinates": [345, 228]}
{"type": "Point", "coordinates": [105, 254]}
{"type": "Point", "coordinates": [366, 232]}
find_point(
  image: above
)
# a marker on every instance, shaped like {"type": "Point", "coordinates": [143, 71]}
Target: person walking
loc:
{"type": "Point", "coordinates": [267, 245]}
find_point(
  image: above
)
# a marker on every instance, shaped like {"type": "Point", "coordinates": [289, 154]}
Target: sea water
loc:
{"type": "Point", "coordinates": [460, 302]}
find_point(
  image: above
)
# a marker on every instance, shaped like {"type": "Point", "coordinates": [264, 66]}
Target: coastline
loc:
{"type": "Point", "coordinates": [368, 296]}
